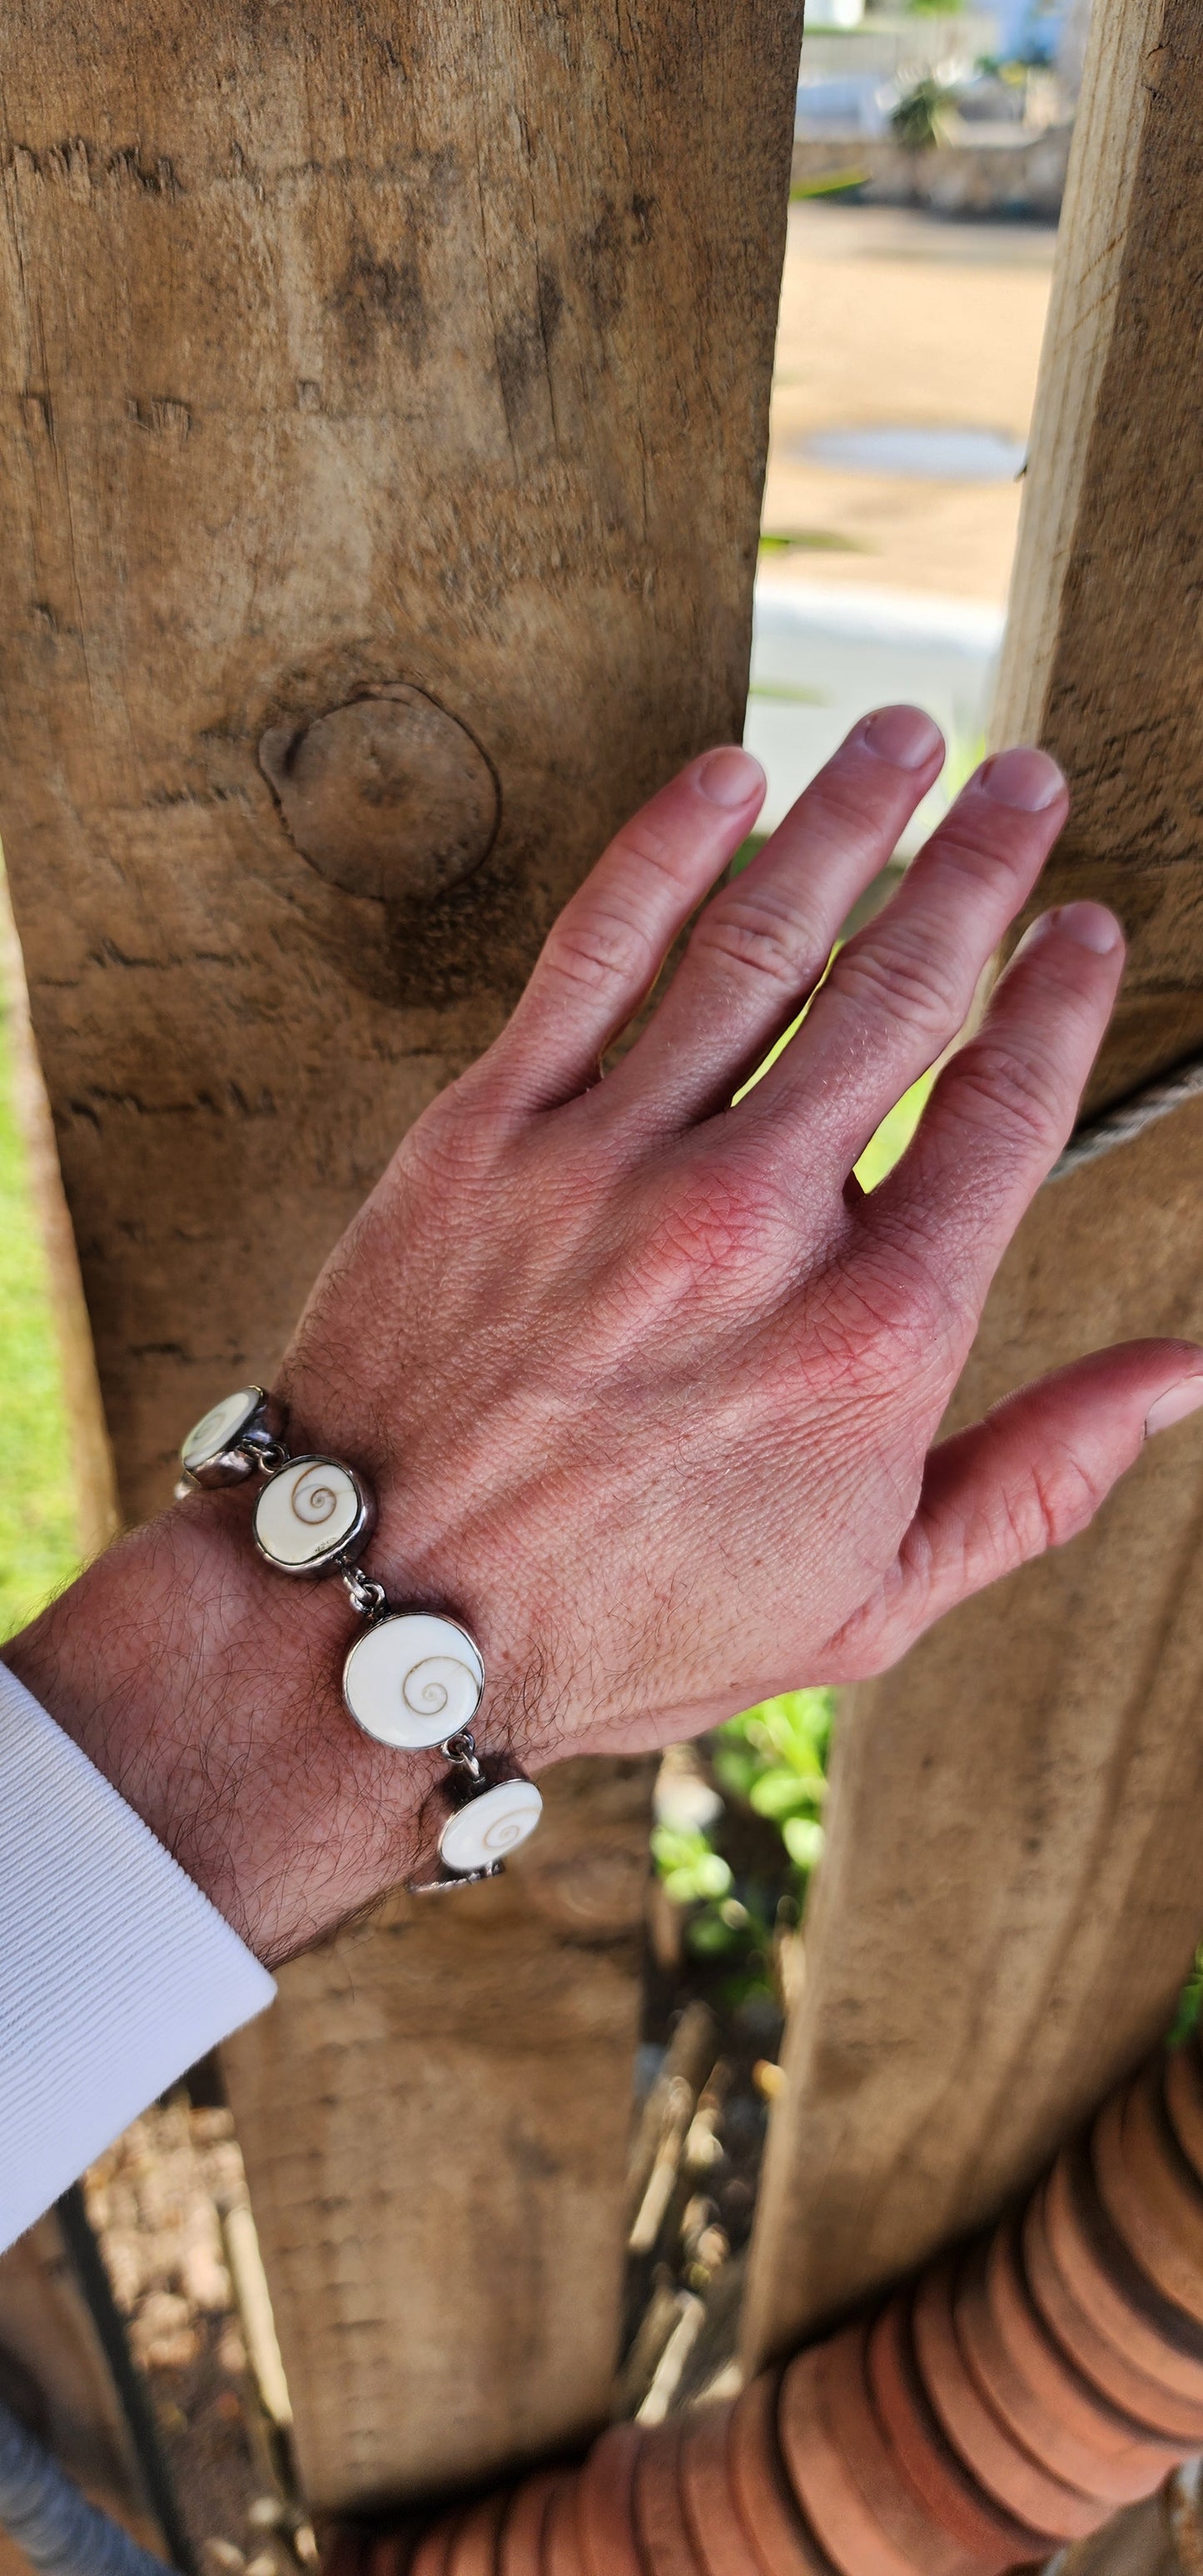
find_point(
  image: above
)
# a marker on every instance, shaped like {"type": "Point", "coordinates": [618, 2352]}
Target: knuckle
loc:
{"type": "Point", "coordinates": [600, 949]}
{"type": "Point", "coordinates": [456, 1138]}
{"type": "Point", "coordinates": [988, 859]}
{"type": "Point", "coordinates": [642, 844]}
{"type": "Point", "coordinates": [1012, 1094]}
{"type": "Point", "coordinates": [1058, 1498]}
{"type": "Point", "coordinates": [836, 806]}
{"type": "Point", "coordinates": [754, 933]}
{"type": "Point", "coordinates": [890, 1313]}
{"type": "Point", "coordinates": [713, 1229]}
{"type": "Point", "coordinates": [905, 978]}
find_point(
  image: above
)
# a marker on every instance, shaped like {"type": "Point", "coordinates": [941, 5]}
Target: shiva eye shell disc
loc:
{"type": "Point", "coordinates": [490, 1826]}
{"type": "Point", "coordinates": [210, 1441]}
{"type": "Point", "coordinates": [312, 1516]}
{"type": "Point", "coordinates": [413, 1680]}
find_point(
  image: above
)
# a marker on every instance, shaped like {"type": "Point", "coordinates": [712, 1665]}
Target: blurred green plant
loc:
{"type": "Point", "coordinates": [922, 117]}
{"type": "Point", "coordinates": [1190, 2004]}
{"type": "Point", "coordinates": [691, 1871]}
{"type": "Point", "coordinates": [775, 1758]}
{"type": "Point", "coordinates": [772, 1760]}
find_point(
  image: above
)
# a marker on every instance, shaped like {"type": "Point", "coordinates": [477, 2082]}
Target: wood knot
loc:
{"type": "Point", "coordinates": [387, 796]}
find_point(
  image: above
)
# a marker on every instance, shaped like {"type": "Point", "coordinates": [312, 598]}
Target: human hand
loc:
{"type": "Point", "coordinates": [645, 1385]}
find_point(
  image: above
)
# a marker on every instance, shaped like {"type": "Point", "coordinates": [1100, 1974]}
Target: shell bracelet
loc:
{"type": "Point", "coordinates": [410, 1678]}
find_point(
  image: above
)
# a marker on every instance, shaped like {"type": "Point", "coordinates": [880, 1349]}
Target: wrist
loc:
{"type": "Point", "coordinates": [208, 1691]}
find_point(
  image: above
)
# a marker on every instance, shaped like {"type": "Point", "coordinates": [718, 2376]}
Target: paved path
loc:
{"type": "Point", "coordinates": [889, 317]}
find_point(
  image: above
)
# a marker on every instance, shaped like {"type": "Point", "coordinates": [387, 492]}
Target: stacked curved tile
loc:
{"type": "Point", "coordinates": [1008, 2401]}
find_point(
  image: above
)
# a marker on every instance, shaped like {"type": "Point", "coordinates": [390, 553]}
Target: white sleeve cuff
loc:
{"type": "Point", "coordinates": [116, 1974]}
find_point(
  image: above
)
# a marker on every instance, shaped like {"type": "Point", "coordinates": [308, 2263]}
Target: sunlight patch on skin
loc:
{"type": "Point", "coordinates": [894, 1134]}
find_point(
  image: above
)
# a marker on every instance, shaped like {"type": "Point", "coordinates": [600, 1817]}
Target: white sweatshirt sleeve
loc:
{"type": "Point", "coordinates": [116, 1974]}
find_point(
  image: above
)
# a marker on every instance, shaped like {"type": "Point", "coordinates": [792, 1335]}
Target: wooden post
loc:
{"type": "Point", "coordinates": [386, 395]}
{"type": "Point", "coordinates": [435, 2122]}
{"type": "Point", "coordinates": [1014, 1880]}
{"type": "Point", "coordinates": [347, 352]}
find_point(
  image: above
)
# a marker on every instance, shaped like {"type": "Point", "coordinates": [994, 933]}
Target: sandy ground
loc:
{"type": "Point", "coordinates": [895, 317]}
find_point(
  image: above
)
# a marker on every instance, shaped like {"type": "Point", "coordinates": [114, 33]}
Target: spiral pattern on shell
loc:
{"type": "Point", "coordinates": [309, 1513]}
{"type": "Point", "coordinates": [440, 1686]}
{"type": "Point", "coordinates": [504, 1833]}
{"type": "Point", "coordinates": [413, 1679]}
{"type": "Point", "coordinates": [493, 1822]}
{"type": "Point", "coordinates": [311, 1500]}
{"type": "Point", "coordinates": [221, 1426]}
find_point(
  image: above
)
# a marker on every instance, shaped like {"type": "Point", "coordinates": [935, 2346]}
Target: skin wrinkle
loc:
{"type": "Point", "coordinates": [646, 1402]}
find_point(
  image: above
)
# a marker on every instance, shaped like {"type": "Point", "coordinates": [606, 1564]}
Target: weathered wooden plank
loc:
{"type": "Point", "coordinates": [1013, 1883]}
{"type": "Point", "coordinates": [435, 2122]}
{"type": "Point", "coordinates": [1014, 1880]}
{"type": "Point", "coordinates": [406, 367]}
{"type": "Point", "coordinates": [1104, 654]}
{"type": "Point", "coordinates": [347, 349]}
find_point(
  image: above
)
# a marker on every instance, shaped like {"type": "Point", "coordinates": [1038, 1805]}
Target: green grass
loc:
{"type": "Point", "coordinates": [811, 541]}
{"type": "Point", "coordinates": [834, 183]}
{"type": "Point", "coordinates": [39, 1548]}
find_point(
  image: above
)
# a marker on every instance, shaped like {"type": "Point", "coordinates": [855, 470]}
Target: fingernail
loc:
{"type": "Point", "coordinates": [1091, 925]}
{"type": "Point", "coordinates": [1027, 781]}
{"type": "Point", "coordinates": [731, 778]}
{"type": "Point", "coordinates": [1174, 1405]}
{"type": "Point", "coordinates": [902, 735]}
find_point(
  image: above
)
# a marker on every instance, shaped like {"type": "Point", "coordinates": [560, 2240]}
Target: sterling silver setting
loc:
{"type": "Point", "coordinates": [412, 1679]}
{"type": "Point", "coordinates": [232, 1440]}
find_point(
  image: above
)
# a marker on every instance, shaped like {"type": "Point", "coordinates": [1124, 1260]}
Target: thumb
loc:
{"type": "Point", "coordinates": [1028, 1477]}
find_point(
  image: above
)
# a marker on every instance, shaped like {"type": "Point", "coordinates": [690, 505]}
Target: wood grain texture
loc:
{"type": "Point", "coordinates": [435, 2119]}
{"type": "Point", "coordinates": [1013, 1884]}
{"type": "Point", "coordinates": [1104, 654]}
{"type": "Point", "coordinates": [345, 347]}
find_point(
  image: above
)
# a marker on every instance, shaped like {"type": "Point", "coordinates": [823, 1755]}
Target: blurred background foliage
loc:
{"type": "Point", "coordinates": [39, 1547]}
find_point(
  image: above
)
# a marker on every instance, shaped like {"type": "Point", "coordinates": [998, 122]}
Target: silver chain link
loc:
{"type": "Point", "coordinates": [460, 1749]}
{"type": "Point", "coordinates": [267, 1455]}
{"type": "Point", "coordinates": [368, 1598]}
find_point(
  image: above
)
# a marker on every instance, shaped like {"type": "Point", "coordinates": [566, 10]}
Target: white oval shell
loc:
{"type": "Point", "coordinates": [490, 1826]}
{"type": "Point", "coordinates": [221, 1426]}
{"type": "Point", "coordinates": [306, 1512]}
{"type": "Point", "coordinates": [413, 1680]}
